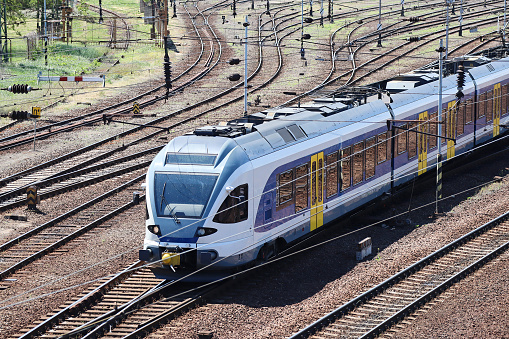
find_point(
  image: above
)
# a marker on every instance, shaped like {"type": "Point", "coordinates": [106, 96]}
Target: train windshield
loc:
{"type": "Point", "coordinates": [182, 195]}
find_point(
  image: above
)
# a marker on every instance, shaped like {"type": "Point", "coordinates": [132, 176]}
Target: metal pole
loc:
{"type": "Point", "coordinates": [447, 31]}
{"type": "Point", "coordinates": [461, 18]}
{"type": "Point", "coordinates": [302, 29]}
{"type": "Point", "coordinates": [245, 70]}
{"type": "Point", "coordinates": [321, 13]}
{"type": "Point", "coordinates": [379, 23]}
{"type": "Point", "coordinates": [439, 155]}
{"type": "Point", "coordinates": [35, 130]}
{"type": "Point", "coordinates": [505, 7]}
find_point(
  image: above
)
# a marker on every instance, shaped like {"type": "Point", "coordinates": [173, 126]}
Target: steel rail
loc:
{"type": "Point", "coordinates": [377, 290]}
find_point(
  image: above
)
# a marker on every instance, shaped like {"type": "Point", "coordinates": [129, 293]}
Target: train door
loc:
{"type": "Point", "coordinates": [423, 143]}
{"type": "Point", "coordinates": [316, 191]}
{"type": "Point", "coordinates": [497, 107]}
{"type": "Point", "coordinates": [452, 109]}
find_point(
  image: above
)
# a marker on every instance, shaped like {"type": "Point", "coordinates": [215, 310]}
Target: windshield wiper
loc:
{"type": "Point", "coordinates": [168, 204]}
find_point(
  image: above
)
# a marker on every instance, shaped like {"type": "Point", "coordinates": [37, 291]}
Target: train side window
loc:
{"type": "Point", "coordinates": [412, 140]}
{"type": "Point", "coordinates": [482, 105]}
{"type": "Point", "coordinates": [469, 109]}
{"type": "Point", "coordinates": [505, 99]}
{"type": "Point", "coordinates": [370, 157]}
{"type": "Point", "coordinates": [331, 177]}
{"type": "Point", "coordinates": [401, 138]}
{"type": "Point", "coordinates": [489, 105]}
{"type": "Point", "coordinates": [382, 147]}
{"type": "Point", "coordinates": [433, 129]}
{"type": "Point", "coordinates": [346, 168]}
{"type": "Point", "coordinates": [285, 189]}
{"type": "Point", "coordinates": [301, 187]}
{"type": "Point", "coordinates": [358, 162]}
{"type": "Point", "coordinates": [234, 208]}
{"type": "Point", "coordinates": [443, 121]}
{"type": "Point", "coordinates": [460, 127]}
{"type": "Point", "coordinates": [320, 180]}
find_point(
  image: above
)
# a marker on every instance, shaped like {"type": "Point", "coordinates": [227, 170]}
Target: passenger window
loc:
{"type": "Point", "coordinates": [346, 168]}
{"type": "Point", "coordinates": [234, 208]}
{"type": "Point", "coordinates": [285, 189]}
{"type": "Point", "coordinates": [412, 140]}
{"type": "Point", "coordinates": [505, 99]}
{"type": "Point", "coordinates": [401, 138]}
{"type": "Point", "coordinates": [370, 157]}
{"type": "Point", "coordinates": [489, 105]}
{"type": "Point", "coordinates": [320, 180]}
{"type": "Point", "coordinates": [482, 105]}
{"type": "Point", "coordinates": [332, 174]}
{"type": "Point", "coordinates": [444, 122]}
{"type": "Point", "coordinates": [382, 147]}
{"type": "Point", "coordinates": [358, 162]}
{"type": "Point", "coordinates": [301, 187]}
{"type": "Point", "coordinates": [433, 129]}
{"type": "Point", "coordinates": [469, 108]}
{"type": "Point", "coordinates": [461, 119]}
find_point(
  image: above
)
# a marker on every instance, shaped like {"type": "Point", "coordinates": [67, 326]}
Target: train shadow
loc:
{"type": "Point", "coordinates": [331, 254]}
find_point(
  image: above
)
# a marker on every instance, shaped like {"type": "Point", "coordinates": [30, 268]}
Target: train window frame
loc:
{"type": "Point", "coordinates": [302, 183]}
{"type": "Point", "coordinates": [460, 119]}
{"type": "Point", "coordinates": [358, 163]}
{"type": "Point", "coordinates": [482, 105]}
{"type": "Point", "coordinates": [469, 111]}
{"type": "Point", "coordinates": [235, 207]}
{"type": "Point", "coordinates": [443, 121]}
{"type": "Point", "coordinates": [282, 204]}
{"type": "Point", "coordinates": [370, 145]}
{"type": "Point", "coordinates": [505, 99]}
{"type": "Point", "coordinates": [490, 102]}
{"type": "Point", "coordinates": [433, 129]}
{"type": "Point", "coordinates": [348, 166]}
{"type": "Point", "coordinates": [401, 139]}
{"type": "Point", "coordinates": [382, 147]}
{"type": "Point", "coordinates": [412, 133]}
{"type": "Point", "coordinates": [331, 166]}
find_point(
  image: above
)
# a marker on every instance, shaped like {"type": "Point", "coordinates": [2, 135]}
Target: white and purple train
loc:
{"type": "Point", "coordinates": [227, 195]}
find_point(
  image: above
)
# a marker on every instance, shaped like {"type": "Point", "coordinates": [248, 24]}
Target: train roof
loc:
{"type": "Point", "coordinates": [266, 131]}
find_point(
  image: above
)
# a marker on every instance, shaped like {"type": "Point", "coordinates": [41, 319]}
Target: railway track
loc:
{"type": "Point", "coordinates": [377, 310]}
{"type": "Point", "coordinates": [129, 304]}
{"type": "Point", "coordinates": [52, 235]}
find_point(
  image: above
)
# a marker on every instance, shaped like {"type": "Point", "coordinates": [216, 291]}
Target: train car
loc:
{"type": "Point", "coordinates": [225, 196]}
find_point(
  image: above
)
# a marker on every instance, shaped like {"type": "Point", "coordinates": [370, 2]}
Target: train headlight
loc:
{"type": "Point", "coordinates": [203, 231]}
{"type": "Point", "coordinates": [154, 229]}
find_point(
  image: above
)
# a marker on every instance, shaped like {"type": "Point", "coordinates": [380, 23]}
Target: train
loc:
{"type": "Point", "coordinates": [229, 195]}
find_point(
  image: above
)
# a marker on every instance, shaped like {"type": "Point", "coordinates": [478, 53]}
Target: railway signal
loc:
{"type": "Point", "coordinates": [167, 67]}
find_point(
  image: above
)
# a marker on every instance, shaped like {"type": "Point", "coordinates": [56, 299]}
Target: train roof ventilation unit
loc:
{"type": "Point", "coordinates": [220, 131]}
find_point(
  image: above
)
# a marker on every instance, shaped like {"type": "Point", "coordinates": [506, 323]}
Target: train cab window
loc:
{"type": "Point", "coordinates": [460, 127]}
{"type": "Point", "coordinates": [401, 138]}
{"type": "Point", "coordinates": [285, 189]}
{"type": "Point", "coordinates": [301, 187]}
{"type": "Point", "coordinates": [505, 99]}
{"type": "Point", "coordinates": [382, 147]}
{"type": "Point", "coordinates": [489, 105]}
{"type": "Point", "coordinates": [346, 168]}
{"type": "Point", "coordinates": [358, 162]}
{"type": "Point", "coordinates": [234, 207]}
{"type": "Point", "coordinates": [370, 157]}
{"type": "Point", "coordinates": [482, 105]}
{"type": "Point", "coordinates": [469, 109]}
{"type": "Point", "coordinates": [412, 140]}
{"type": "Point", "coordinates": [433, 129]}
{"type": "Point", "coordinates": [331, 177]}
